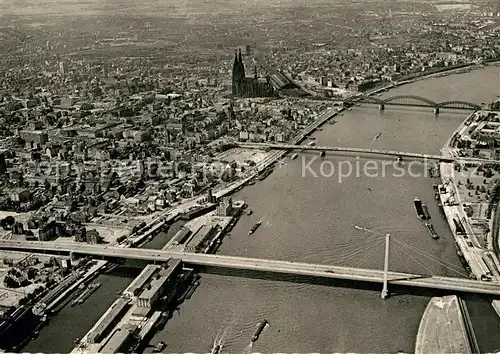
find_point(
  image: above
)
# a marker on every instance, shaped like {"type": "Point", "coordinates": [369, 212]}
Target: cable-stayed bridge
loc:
{"type": "Point", "coordinates": [359, 252]}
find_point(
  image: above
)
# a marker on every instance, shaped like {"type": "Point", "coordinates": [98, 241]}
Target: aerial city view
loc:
{"type": "Point", "coordinates": [265, 176]}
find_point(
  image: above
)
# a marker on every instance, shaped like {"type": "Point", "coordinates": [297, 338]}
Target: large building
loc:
{"type": "Point", "coordinates": [249, 86]}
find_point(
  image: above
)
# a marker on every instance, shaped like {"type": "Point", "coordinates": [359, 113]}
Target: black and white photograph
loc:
{"type": "Point", "coordinates": [250, 176]}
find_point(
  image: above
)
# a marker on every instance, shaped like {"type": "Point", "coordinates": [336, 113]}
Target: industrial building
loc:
{"type": "Point", "coordinates": [110, 320]}
{"type": "Point", "coordinates": [120, 341]}
{"type": "Point", "coordinates": [181, 236]}
{"type": "Point", "coordinates": [165, 282]}
{"type": "Point", "coordinates": [138, 284]}
{"type": "Point", "coordinates": [196, 241]}
{"type": "Point", "coordinates": [225, 207]}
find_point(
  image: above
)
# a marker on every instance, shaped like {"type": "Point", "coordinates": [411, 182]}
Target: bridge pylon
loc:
{"type": "Point", "coordinates": [385, 290]}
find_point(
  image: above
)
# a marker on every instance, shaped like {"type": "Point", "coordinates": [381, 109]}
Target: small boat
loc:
{"type": "Point", "coordinates": [255, 227]}
{"type": "Point", "coordinates": [159, 347]}
{"type": "Point", "coordinates": [216, 349]}
{"type": "Point", "coordinates": [294, 156]}
{"type": "Point", "coordinates": [333, 121]}
{"type": "Point", "coordinates": [249, 212]}
{"type": "Point", "coordinates": [322, 154]}
{"type": "Point", "coordinates": [311, 143]}
{"type": "Point", "coordinates": [259, 330]}
{"type": "Point", "coordinates": [431, 230]}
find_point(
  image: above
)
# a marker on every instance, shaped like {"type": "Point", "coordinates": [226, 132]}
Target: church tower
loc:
{"type": "Point", "coordinates": [235, 74]}
{"type": "Point", "coordinates": [242, 66]}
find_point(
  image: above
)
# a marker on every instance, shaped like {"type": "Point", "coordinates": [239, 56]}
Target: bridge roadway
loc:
{"type": "Point", "coordinates": [365, 151]}
{"type": "Point", "coordinates": [254, 264]}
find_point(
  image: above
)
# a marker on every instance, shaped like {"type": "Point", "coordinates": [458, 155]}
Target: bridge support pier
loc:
{"type": "Point", "coordinates": [436, 110]}
{"type": "Point", "coordinates": [381, 106]}
{"type": "Point", "coordinates": [385, 290]}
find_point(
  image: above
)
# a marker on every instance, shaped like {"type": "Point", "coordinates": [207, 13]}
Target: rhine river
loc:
{"type": "Point", "coordinates": [311, 219]}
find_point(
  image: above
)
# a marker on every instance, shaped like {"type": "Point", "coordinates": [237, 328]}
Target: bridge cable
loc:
{"type": "Point", "coordinates": [358, 252]}
{"type": "Point", "coordinates": [423, 254]}
{"type": "Point", "coordinates": [361, 246]}
{"type": "Point", "coordinates": [368, 234]}
{"type": "Point", "coordinates": [402, 260]}
{"type": "Point", "coordinates": [375, 249]}
{"type": "Point", "coordinates": [444, 264]}
{"type": "Point", "coordinates": [354, 246]}
{"type": "Point", "coordinates": [369, 255]}
{"type": "Point", "coordinates": [355, 254]}
{"type": "Point", "coordinates": [398, 248]}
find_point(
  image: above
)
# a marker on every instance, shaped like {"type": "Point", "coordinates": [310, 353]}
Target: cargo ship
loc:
{"type": "Point", "coordinates": [436, 191]}
{"type": "Point", "coordinates": [431, 230]}
{"type": "Point", "coordinates": [264, 174]}
{"type": "Point", "coordinates": [85, 294]}
{"type": "Point", "coordinates": [418, 208]}
{"type": "Point", "coordinates": [259, 330]}
{"type": "Point", "coordinates": [162, 321]}
{"type": "Point", "coordinates": [191, 291]}
{"type": "Point", "coordinates": [255, 227]}
{"type": "Point", "coordinates": [426, 211]}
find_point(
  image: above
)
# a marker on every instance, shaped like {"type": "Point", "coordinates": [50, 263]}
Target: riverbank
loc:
{"type": "Point", "coordinates": [465, 240]}
{"type": "Point", "coordinates": [443, 72]}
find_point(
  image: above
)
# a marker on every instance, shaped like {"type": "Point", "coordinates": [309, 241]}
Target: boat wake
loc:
{"type": "Point", "coordinates": [248, 348]}
{"type": "Point", "coordinates": [376, 137]}
{"type": "Point", "coordinates": [221, 337]}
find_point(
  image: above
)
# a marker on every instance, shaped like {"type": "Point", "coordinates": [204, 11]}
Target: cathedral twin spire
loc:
{"type": "Point", "coordinates": [247, 87]}
{"type": "Point", "coordinates": [238, 66]}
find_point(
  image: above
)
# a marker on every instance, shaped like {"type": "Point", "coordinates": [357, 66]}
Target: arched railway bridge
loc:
{"type": "Point", "coordinates": [412, 101]}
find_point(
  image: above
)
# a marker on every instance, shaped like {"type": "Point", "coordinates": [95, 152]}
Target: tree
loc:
{"type": "Point", "coordinates": [10, 220]}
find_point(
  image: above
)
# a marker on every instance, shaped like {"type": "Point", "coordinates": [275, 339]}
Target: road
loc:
{"type": "Point", "coordinates": [365, 151]}
{"type": "Point", "coordinates": [254, 264]}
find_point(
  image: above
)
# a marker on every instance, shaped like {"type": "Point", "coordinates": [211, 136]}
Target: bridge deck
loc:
{"type": "Point", "coordinates": [413, 101]}
{"type": "Point", "coordinates": [412, 155]}
{"type": "Point", "coordinates": [253, 264]}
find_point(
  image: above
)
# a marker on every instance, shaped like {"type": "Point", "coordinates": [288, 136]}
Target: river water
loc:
{"type": "Point", "coordinates": [312, 219]}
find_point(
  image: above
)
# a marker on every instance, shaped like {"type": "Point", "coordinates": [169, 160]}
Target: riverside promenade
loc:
{"type": "Point", "coordinates": [443, 328]}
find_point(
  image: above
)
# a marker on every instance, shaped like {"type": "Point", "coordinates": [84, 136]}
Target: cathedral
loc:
{"type": "Point", "coordinates": [249, 86]}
